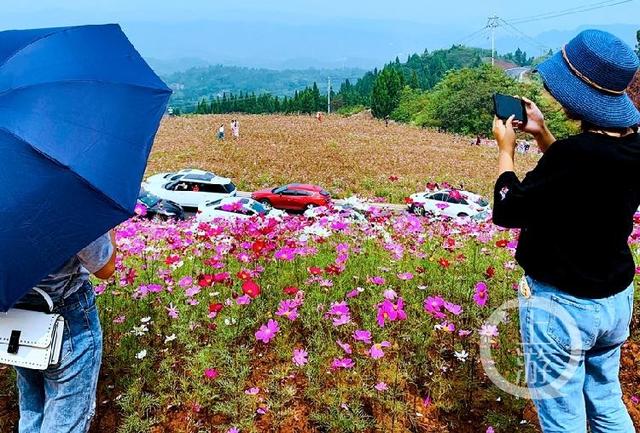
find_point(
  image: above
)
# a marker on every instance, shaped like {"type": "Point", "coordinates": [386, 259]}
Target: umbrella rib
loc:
{"type": "Point", "coordinates": [19, 50]}
{"type": "Point", "coordinates": [55, 161]}
{"type": "Point", "coordinates": [140, 86]}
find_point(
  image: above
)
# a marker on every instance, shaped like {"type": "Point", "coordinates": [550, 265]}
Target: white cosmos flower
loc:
{"type": "Point", "coordinates": [462, 355]}
{"type": "Point", "coordinates": [142, 354]}
{"type": "Point", "coordinates": [170, 338]}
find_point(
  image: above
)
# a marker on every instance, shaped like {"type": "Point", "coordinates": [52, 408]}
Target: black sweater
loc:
{"type": "Point", "coordinates": [576, 211]}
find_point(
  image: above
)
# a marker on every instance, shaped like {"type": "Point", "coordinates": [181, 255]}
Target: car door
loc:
{"type": "Point", "coordinates": [288, 199]}
{"type": "Point", "coordinates": [434, 203]}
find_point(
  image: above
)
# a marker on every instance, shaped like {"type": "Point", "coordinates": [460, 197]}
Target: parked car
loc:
{"type": "Point", "coordinates": [234, 208]}
{"type": "Point", "coordinates": [192, 174]}
{"type": "Point", "coordinates": [345, 211]}
{"type": "Point", "coordinates": [190, 190]}
{"type": "Point", "coordinates": [451, 203]}
{"type": "Point", "coordinates": [159, 208]}
{"type": "Point", "coordinates": [294, 196]}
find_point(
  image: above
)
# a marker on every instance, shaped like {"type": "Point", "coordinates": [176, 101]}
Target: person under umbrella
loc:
{"type": "Point", "coordinates": [79, 110]}
{"type": "Point", "coordinates": [577, 298]}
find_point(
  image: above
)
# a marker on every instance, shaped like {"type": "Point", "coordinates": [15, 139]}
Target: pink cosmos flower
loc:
{"type": "Point", "coordinates": [433, 305]}
{"type": "Point", "coordinates": [426, 402]}
{"type": "Point", "coordinates": [300, 357]}
{"type": "Point", "coordinates": [267, 332]}
{"type": "Point", "coordinates": [490, 430]}
{"type": "Point", "coordinates": [635, 399]}
{"type": "Point", "coordinates": [463, 333]}
{"type": "Point", "coordinates": [378, 281]}
{"type": "Point", "coordinates": [381, 386]}
{"type": "Point", "coordinates": [376, 351]}
{"type": "Point", "coordinates": [140, 209]}
{"type": "Point", "coordinates": [243, 300]}
{"type": "Point", "coordinates": [345, 346]}
{"type": "Point", "coordinates": [405, 276]}
{"type": "Point", "coordinates": [362, 335]}
{"type": "Point", "coordinates": [342, 363]}
{"type": "Point", "coordinates": [233, 430]}
{"type": "Point", "coordinates": [488, 330]}
{"type": "Point", "coordinates": [390, 294]}
{"type": "Point", "coordinates": [172, 311]}
{"type": "Point", "coordinates": [211, 373]}
{"type": "Point", "coordinates": [481, 295]}
{"type": "Point", "coordinates": [185, 282]}
{"type": "Point", "coordinates": [453, 308]}
{"type": "Point", "coordinates": [252, 391]}
{"type": "Point", "coordinates": [387, 310]}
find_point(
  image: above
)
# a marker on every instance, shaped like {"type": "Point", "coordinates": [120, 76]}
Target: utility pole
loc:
{"type": "Point", "coordinates": [329, 97]}
{"type": "Point", "coordinates": [492, 24]}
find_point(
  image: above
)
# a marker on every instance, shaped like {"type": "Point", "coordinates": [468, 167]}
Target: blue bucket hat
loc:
{"type": "Point", "coordinates": [589, 77]}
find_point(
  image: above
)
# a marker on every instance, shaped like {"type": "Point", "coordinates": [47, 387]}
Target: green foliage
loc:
{"type": "Point", "coordinates": [385, 96]}
{"type": "Point", "coordinates": [351, 110]}
{"type": "Point", "coordinates": [462, 101]}
{"type": "Point", "coordinates": [306, 101]}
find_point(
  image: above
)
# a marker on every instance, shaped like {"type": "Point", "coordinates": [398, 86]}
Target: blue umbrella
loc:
{"type": "Point", "coordinates": [79, 110]}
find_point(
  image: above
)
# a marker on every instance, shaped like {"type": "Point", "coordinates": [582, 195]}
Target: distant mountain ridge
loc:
{"type": "Point", "coordinates": [213, 81]}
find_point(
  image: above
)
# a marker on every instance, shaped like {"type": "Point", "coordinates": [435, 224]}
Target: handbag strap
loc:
{"type": "Point", "coordinates": [46, 297]}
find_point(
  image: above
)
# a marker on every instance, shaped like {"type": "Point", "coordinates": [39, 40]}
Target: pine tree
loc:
{"type": "Point", "coordinates": [385, 96]}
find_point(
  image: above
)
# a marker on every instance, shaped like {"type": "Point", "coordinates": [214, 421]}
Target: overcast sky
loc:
{"type": "Point", "coordinates": [285, 29]}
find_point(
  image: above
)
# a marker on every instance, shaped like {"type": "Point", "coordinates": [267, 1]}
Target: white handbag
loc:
{"type": "Point", "coordinates": [31, 339]}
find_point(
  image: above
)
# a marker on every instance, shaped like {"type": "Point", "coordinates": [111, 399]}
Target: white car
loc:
{"type": "Point", "coordinates": [451, 203]}
{"type": "Point", "coordinates": [187, 173]}
{"type": "Point", "coordinates": [189, 190]}
{"type": "Point", "coordinates": [234, 208]}
{"type": "Point", "coordinates": [345, 211]}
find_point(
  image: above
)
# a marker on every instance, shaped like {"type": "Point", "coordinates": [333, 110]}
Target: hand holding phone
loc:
{"type": "Point", "coordinates": [505, 106]}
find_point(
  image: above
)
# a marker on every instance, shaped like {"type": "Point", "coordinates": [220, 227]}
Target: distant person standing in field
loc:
{"type": "Point", "coordinates": [235, 129]}
{"type": "Point", "coordinates": [221, 132]}
{"type": "Point", "coordinates": [577, 297]}
{"type": "Point", "coordinates": [319, 116]}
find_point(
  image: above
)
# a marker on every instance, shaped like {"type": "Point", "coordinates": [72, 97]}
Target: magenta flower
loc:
{"type": "Point", "coordinates": [376, 351]}
{"type": "Point", "coordinates": [387, 310]}
{"type": "Point", "coordinates": [453, 308]}
{"type": "Point", "coordinates": [211, 373]}
{"type": "Point", "coordinates": [172, 311]}
{"type": "Point", "coordinates": [300, 357]}
{"type": "Point", "coordinates": [433, 305]}
{"type": "Point", "coordinates": [233, 430]}
{"type": "Point", "coordinates": [342, 363]}
{"type": "Point", "coordinates": [267, 332]}
{"type": "Point", "coordinates": [481, 294]}
{"type": "Point", "coordinates": [378, 281]}
{"type": "Point", "coordinates": [362, 335]}
{"type": "Point", "coordinates": [252, 391]}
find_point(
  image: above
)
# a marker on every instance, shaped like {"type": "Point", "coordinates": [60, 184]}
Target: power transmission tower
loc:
{"type": "Point", "coordinates": [329, 97]}
{"type": "Point", "coordinates": [493, 22]}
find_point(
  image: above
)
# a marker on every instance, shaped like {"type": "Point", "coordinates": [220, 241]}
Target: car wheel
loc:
{"type": "Point", "coordinates": [463, 215]}
{"type": "Point", "coordinates": [419, 210]}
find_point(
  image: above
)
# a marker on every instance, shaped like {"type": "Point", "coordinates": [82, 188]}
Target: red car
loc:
{"type": "Point", "coordinates": [294, 196]}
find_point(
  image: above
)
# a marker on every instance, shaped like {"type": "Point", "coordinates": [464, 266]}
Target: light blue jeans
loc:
{"type": "Point", "coordinates": [572, 358]}
{"type": "Point", "coordinates": [62, 399]}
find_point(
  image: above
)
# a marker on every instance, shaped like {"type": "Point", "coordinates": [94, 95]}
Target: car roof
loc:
{"type": "Point", "coordinates": [304, 187]}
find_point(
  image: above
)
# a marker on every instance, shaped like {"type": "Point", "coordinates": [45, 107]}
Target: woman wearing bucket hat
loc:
{"type": "Point", "coordinates": [576, 300]}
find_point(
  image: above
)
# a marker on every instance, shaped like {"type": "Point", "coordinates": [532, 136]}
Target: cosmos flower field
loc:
{"type": "Point", "coordinates": [322, 324]}
{"type": "Point", "coordinates": [315, 325]}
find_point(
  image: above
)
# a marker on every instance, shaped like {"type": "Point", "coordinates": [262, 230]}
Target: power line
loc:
{"type": "Point", "coordinates": [523, 34]}
{"type": "Point", "coordinates": [570, 11]}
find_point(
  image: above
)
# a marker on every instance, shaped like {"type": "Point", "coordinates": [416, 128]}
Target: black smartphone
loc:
{"type": "Point", "coordinates": [505, 106]}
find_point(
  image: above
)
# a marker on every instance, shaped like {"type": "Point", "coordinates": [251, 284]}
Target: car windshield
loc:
{"type": "Point", "coordinates": [147, 198]}
{"type": "Point", "coordinates": [279, 190]}
{"type": "Point", "coordinates": [482, 202]}
{"type": "Point", "coordinates": [259, 208]}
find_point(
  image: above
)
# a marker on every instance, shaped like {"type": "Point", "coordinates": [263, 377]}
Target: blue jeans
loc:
{"type": "Point", "coordinates": [62, 399]}
{"type": "Point", "coordinates": [572, 358]}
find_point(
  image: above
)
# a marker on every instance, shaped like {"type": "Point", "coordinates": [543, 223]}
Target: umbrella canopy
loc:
{"type": "Point", "coordinates": [79, 110]}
